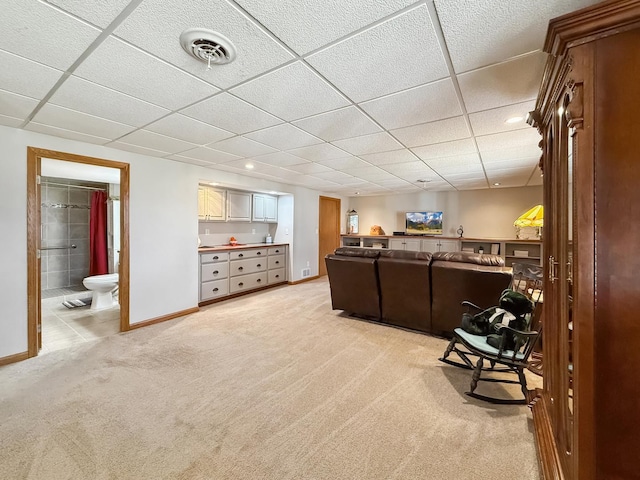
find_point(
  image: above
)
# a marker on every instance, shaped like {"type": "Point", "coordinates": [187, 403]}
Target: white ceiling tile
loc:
{"type": "Point", "coordinates": [495, 173]}
{"type": "Point", "coordinates": [137, 149]}
{"type": "Point", "coordinates": [446, 149]}
{"type": "Point", "coordinates": [335, 176]}
{"type": "Point", "coordinates": [323, 151]}
{"type": "Point", "coordinates": [16, 69]}
{"type": "Point", "coordinates": [446, 130]}
{"type": "Point", "coordinates": [242, 146]}
{"type": "Point", "coordinates": [309, 168]}
{"type": "Point", "coordinates": [16, 106]}
{"type": "Point", "coordinates": [511, 163]}
{"type": "Point", "coordinates": [414, 57]}
{"type": "Point", "coordinates": [417, 167]}
{"type": "Point", "coordinates": [96, 12]}
{"type": "Point", "coordinates": [342, 123]}
{"type": "Point", "coordinates": [188, 129]}
{"type": "Point", "coordinates": [511, 153]}
{"type": "Point", "coordinates": [56, 116]}
{"type": "Point", "coordinates": [515, 81]}
{"type": "Point", "coordinates": [466, 171]}
{"type": "Point", "coordinates": [144, 138]}
{"type": "Point", "coordinates": [427, 103]}
{"type": "Point", "coordinates": [481, 33]}
{"type": "Point", "coordinates": [535, 180]}
{"type": "Point", "coordinates": [257, 52]}
{"type": "Point", "coordinates": [230, 113]}
{"type": "Point", "coordinates": [78, 94]}
{"type": "Point", "coordinates": [305, 25]}
{"type": "Point", "coordinates": [384, 158]}
{"type": "Point", "coordinates": [142, 76]}
{"type": "Point", "coordinates": [10, 121]}
{"type": "Point", "coordinates": [209, 155]}
{"type": "Point", "coordinates": [192, 161]}
{"type": "Point", "coordinates": [61, 132]}
{"type": "Point", "coordinates": [295, 91]}
{"type": "Point", "coordinates": [494, 120]}
{"type": "Point", "coordinates": [344, 162]}
{"type": "Point", "coordinates": [42, 33]}
{"type": "Point", "coordinates": [368, 173]}
{"type": "Point", "coordinates": [391, 183]}
{"type": "Point", "coordinates": [528, 138]}
{"type": "Point", "coordinates": [471, 161]}
{"type": "Point", "coordinates": [280, 159]}
{"type": "Point", "coordinates": [373, 143]}
{"type": "Point", "coordinates": [284, 137]}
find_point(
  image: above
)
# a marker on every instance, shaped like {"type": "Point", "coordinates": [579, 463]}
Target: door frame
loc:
{"type": "Point", "coordinates": [34, 313]}
{"type": "Point", "coordinates": [338, 204]}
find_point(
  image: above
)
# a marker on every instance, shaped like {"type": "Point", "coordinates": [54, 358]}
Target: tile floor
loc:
{"type": "Point", "coordinates": [63, 327]}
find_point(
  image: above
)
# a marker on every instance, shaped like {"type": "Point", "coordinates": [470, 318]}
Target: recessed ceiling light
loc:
{"type": "Point", "coordinates": [497, 184]}
{"type": "Point", "coordinates": [249, 166]}
{"type": "Point", "coordinates": [513, 120]}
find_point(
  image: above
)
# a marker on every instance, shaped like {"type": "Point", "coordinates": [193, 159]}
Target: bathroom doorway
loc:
{"type": "Point", "coordinates": [61, 189]}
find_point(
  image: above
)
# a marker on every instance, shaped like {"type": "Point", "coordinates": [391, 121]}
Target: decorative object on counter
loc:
{"type": "Point", "coordinates": [268, 238]}
{"type": "Point", "coordinates": [233, 241]}
{"type": "Point", "coordinates": [376, 230]}
{"type": "Point", "coordinates": [352, 221]}
{"type": "Point", "coordinates": [480, 249]}
{"type": "Point", "coordinates": [495, 249]}
{"type": "Point", "coordinates": [460, 231]}
{"type": "Point", "coordinates": [534, 217]}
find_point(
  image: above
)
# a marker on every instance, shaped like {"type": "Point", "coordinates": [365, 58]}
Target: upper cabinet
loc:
{"type": "Point", "coordinates": [265, 208]}
{"type": "Point", "coordinates": [238, 206]}
{"type": "Point", "coordinates": [211, 204]}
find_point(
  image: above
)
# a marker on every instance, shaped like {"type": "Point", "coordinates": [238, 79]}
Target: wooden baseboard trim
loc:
{"type": "Point", "coordinates": [304, 280]}
{"type": "Point", "coordinates": [164, 318]}
{"type": "Point", "coordinates": [18, 357]}
{"type": "Point", "coordinates": [239, 294]}
{"type": "Point", "coordinates": [548, 458]}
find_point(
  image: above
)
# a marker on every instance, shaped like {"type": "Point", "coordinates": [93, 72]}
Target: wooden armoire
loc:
{"type": "Point", "coordinates": [587, 415]}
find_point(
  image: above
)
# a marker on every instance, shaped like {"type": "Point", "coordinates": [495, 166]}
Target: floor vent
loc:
{"type": "Point", "coordinates": [306, 272]}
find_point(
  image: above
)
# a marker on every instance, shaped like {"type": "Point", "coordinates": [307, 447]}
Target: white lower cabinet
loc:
{"type": "Point", "coordinates": [238, 270]}
{"type": "Point", "coordinates": [411, 244]}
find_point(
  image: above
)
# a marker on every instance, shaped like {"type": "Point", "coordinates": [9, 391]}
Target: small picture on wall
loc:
{"type": "Point", "coordinates": [352, 226]}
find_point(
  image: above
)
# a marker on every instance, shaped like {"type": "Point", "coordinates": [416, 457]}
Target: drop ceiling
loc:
{"type": "Point", "coordinates": [364, 96]}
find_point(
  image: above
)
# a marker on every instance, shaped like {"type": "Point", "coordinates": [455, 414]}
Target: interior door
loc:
{"type": "Point", "coordinates": [328, 231]}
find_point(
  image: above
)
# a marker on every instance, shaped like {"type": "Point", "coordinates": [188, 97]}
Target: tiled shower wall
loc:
{"type": "Point", "coordinates": [64, 226]}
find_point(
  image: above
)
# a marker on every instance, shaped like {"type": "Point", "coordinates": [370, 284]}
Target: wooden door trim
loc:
{"type": "Point", "coordinates": [34, 157]}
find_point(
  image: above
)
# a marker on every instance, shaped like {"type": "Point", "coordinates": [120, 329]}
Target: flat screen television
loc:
{"type": "Point", "coordinates": [423, 223]}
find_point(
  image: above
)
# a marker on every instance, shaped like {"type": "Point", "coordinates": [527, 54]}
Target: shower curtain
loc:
{"type": "Point", "coordinates": [98, 256]}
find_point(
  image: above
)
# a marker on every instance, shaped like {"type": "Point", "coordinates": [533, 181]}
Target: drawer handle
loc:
{"type": "Point", "coordinates": [259, 280]}
{"type": "Point", "coordinates": [215, 289]}
{"type": "Point", "coordinates": [215, 272]}
{"type": "Point", "coordinates": [215, 258]}
{"type": "Point", "coordinates": [277, 276]}
{"type": "Point", "coordinates": [240, 284]}
{"type": "Point", "coordinates": [277, 251]}
{"type": "Point", "coordinates": [259, 265]}
{"type": "Point", "coordinates": [259, 253]}
{"type": "Point", "coordinates": [240, 268]}
{"type": "Point", "coordinates": [277, 262]}
{"type": "Point", "coordinates": [240, 255]}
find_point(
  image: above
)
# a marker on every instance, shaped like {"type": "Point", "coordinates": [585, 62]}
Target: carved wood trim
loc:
{"type": "Point", "coordinates": [575, 108]}
{"type": "Point", "coordinates": [548, 457]}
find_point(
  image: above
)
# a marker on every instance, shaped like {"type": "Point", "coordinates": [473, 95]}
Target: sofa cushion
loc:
{"type": "Point", "coordinates": [354, 284]}
{"type": "Point", "coordinates": [357, 252]}
{"type": "Point", "coordinates": [470, 257]}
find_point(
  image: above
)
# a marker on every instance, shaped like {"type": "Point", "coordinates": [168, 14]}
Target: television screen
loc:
{"type": "Point", "coordinates": [424, 223]}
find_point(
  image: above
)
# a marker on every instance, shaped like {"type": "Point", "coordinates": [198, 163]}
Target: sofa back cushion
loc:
{"type": "Point", "coordinates": [405, 289]}
{"type": "Point", "coordinates": [354, 284]}
{"type": "Point", "coordinates": [470, 257]}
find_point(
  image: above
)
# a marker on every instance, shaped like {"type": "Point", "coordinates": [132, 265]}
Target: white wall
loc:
{"type": "Point", "coordinates": [163, 229]}
{"type": "Point", "coordinates": [482, 213]}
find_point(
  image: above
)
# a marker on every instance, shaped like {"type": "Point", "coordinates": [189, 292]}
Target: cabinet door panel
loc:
{"type": "Point", "coordinates": [250, 253]}
{"type": "Point", "coordinates": [214, 271]}
{"type": "Point", "coordinates": [250, 265]}
{"type": "Point", "coordinates": [214, 289]}
{"type": "Point", "coordinates": [276, 261]}
{"type": "Point", "coordinates": [277, 275]}
{"type": "Point", "coordinates": [270, 209]}
{"type": "Point", "coordinates": [239, 206]}
{"type": "Point", "coordinates": [258, 208]}
{"type": "Point", "coordinates": [247, 282]}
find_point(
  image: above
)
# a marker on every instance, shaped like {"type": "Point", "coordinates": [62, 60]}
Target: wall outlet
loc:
{"type": "Point", "coordinates": [308, 263]}
{"type": "Point", "coordinates": [206, 231]}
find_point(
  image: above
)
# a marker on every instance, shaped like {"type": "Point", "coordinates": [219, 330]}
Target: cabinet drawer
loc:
{"type": "Point", "coordinates": [214, 257]}
{"type": "Point", "coordinates": [276, 261]}
{"type": "Point", "coordinates": [213, 289]}
{"type": "Point", "coordinates": [247, 282]}
{"type": "Point", "coordinates": [277, 275]}
{"type": "Point", "coordinates": [276, 250]}
{"type": "Point", "coordinates": [214, 271]}
{"type": "Point", "coordinates": [250, 265]}
{"type": "Point", "coordinates": [254, 252]}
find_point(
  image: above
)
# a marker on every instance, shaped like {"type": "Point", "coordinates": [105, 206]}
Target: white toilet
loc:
{"type": "Point", "coordinates": [102, 287]}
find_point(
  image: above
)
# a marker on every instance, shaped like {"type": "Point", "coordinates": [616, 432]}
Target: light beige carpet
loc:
{"type": "Point", "coordinates": [273, 385]}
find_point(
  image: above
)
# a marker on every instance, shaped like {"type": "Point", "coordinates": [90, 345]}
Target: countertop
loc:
{"type": "Point", "coordinates": [218, 248]}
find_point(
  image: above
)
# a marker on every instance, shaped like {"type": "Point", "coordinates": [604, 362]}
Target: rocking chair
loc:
{"type": "Point", "coordinates": [506, 358]}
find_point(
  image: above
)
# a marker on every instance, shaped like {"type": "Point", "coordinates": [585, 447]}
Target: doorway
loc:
{"type": "Point", "coordinates": [35, 251]}
{"type": "Point", "coordinates": [328, 231]}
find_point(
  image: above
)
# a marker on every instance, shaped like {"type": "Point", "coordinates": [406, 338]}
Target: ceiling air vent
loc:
{"type": "Point", "coordinates": [208, 46]}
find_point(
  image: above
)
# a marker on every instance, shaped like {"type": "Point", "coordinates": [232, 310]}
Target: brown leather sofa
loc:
{"type": "Point", "coordinates": [416, 290]}
{"type": "Point", "coordinates": [459, 276]}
